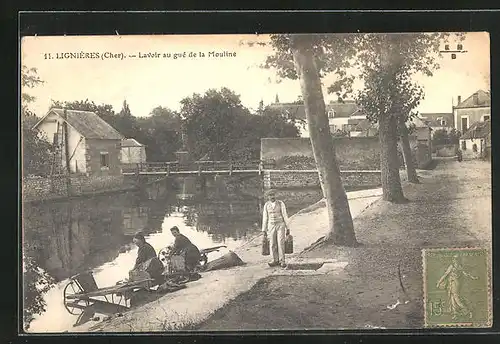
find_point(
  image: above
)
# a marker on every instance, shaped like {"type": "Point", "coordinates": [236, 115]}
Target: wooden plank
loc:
{"type": "Point", "coordinates": [108, 290]}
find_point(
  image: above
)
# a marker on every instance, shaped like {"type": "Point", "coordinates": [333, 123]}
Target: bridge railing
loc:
{"type": "Point", "coordinates": [200, 166]}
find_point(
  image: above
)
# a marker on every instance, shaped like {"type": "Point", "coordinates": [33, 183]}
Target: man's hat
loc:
{"type": "Point", "coordinates": [270, 192]}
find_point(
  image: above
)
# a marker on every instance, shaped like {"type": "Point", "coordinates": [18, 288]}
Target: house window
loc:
{"type": "Point", "coordinates": [331, 113]}
{"type": "Point", "coordinates": [486, 117]}
{"type": "Point", "coordinates": [474, 148]}
{"type": "Point", "coordinates": [464, 145]}
{"type": "Point", "coordinates": [104, 160]}
{"type": "Point", "coordinates": [443, 123]}
{"type": "Point", "coordinates": [465, 124]}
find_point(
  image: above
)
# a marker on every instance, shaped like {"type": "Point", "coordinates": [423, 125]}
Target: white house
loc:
{"type": "Point", "coordinates": [439, 121]}
{"type": "Point", "coordinates": [133, 152]}
{"type": "Point", "coordinates": [475, 142]}
{"type": "Point", "coordinates": [92, 146]}
{"type": "Point", "coordinates": [342, 116]}
{"type": "Point", "coordinates": [475, 108]}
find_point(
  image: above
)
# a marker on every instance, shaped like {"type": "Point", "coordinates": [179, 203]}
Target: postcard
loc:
{"type": "Point", "coordinates": [256, 182]}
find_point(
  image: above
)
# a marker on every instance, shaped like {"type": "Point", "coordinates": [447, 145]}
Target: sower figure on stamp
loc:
{"type": "Point", "coordinates": [451, 281]}
{"type": "Point", "coordinates": [275, 222]}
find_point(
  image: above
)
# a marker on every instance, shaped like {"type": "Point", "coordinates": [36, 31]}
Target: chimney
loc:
{"type": "Point", "coordinates": [475, 98]}
{"type": "Point", "coordinates": [459, 100]}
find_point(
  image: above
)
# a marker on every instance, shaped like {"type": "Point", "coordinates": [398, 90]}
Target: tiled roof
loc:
{"type": "Point", "coordinates": [478, 130]}
{"type": "Point", "coordinates": [88, 124]}
{"type": "Point", "coordinates": [130, 142]}
{"type": "Point", "coordinates": [432, 118]}
{"type": "Point", "coordinates": [483, 99]}
{"type": "Point", "coordinates": [345, 109]}
{"type": "Point", "coordinates": [418, 122]}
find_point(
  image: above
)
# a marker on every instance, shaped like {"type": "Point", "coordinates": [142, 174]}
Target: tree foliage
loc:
{"type": "Point", "coordinates": [36, 149]}
{"type": "Point", "coordinates": [220, 127]}
{"type": "Point", "coordinates": [386, 64]}
{"type": "Point", "coordinates": [161, 133]}
{"type": "Point", "coordinates": [443, 137]}
{"type": "Point", "coordinates": [29, 80]}
{"type": "Point", "coordinates": [332, 54]}
{"type": "Point", "coordinates": [36, 283]}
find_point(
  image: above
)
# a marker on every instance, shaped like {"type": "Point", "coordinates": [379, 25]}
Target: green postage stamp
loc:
{"type": "Point", "coordinates": [457, 287]}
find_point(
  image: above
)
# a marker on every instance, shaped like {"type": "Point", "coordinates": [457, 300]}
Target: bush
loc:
{"type": "Point", "coordinates": [36, 151]}
{"type": "Point", "coordinates": [443, 137]}
{"type": "Point", "coordinates": [36, 283]}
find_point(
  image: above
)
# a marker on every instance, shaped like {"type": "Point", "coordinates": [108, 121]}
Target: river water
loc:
{"type": "Point", "coordinates": [68, 237]}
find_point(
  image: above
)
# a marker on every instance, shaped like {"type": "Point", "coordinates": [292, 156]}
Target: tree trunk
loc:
{"type": "Point", "coordinates": [389, 161]}
{"type": "Point", "coordinates": [340, 219]}
{"type": "Point", "coordinates": [405, 144]}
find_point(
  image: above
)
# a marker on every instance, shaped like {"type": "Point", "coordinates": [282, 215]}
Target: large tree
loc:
{"type": "Point", "coordinates": [161, 133]}
{"type": "Point", "coordinates": [212, 122]}
{"type": "Point", "coordinates": [388, 64]}
{"type": "Point", "coordinates": [219, 127]}
{"type": "Point", "coordinates": [307, 58]}
{"type": "Point", "coordinates": [253, 128]}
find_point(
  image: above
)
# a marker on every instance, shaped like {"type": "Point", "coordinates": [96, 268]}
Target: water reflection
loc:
{"type": "Point", "coordinates": [66, 238]}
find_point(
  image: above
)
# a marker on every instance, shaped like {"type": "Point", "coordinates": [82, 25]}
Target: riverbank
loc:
{"type": "Point", "coordinates": [378, 284]}
{"type": "Point", "coordinates": [192, 305]}
{"type": "Point", "coordinates": [61, 187]}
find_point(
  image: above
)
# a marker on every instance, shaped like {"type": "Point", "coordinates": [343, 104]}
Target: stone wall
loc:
{"type": "Point", "coordinates": [39, 188]}
{"type": "Point", "coordinates": [446, 150]}
{"type": "Point", "coordinates": [307, 179]}
{"type": "Point", "coordinates": [353, 153]}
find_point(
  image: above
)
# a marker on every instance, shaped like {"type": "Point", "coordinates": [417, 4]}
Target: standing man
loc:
{"type": "Point", "coordinates": [275, 221]}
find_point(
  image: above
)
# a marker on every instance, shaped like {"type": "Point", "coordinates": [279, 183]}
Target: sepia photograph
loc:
{"type": "Point", "coordinates": [255, 182]}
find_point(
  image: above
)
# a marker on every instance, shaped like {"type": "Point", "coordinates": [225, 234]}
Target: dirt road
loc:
{"type": "Point", "coordinates": [450, 208]}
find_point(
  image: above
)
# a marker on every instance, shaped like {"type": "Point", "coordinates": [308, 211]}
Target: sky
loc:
{"type": "Point", "coordinates": [148, 82]}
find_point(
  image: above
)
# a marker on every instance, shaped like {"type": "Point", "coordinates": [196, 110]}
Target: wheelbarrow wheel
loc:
{"type": "Point", "coordinates": [74, 306]}
{"type": "Point", "coordinates": [203, 259]}
{"type": "Point", "coordinates": [163, 255]}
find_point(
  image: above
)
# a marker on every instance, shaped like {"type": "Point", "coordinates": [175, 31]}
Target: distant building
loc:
{"type": "Point", "coordinates": [422, 130]}
{"type": "Point", "coordinates": [92, 146]}
{"type": "Point", "coordinates": [476, 108]}
{"type": "Point", "coordinates": [439, 121]}
{"type": "Point", "coordinates": [476, 142]}
{"type": "Point", "coordinates": [133, 152]}
{"type": "Point", "coordinates": [364, 128]}
{"type": "Point", "coordinates": [342, 116]}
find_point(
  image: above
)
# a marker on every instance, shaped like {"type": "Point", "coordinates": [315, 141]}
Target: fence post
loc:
{"type": "Point", "coordinates": [199, 169]}
{"type": "Point", "coordinates": [230, 167]}
{"type": "Point", "coordinates": [260, 167]}
{"type": "Point", "coordinates": [168, 169]}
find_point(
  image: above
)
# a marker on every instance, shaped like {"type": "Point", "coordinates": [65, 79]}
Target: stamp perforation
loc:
{"type": "Point", "coordinates": [487, 254]}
